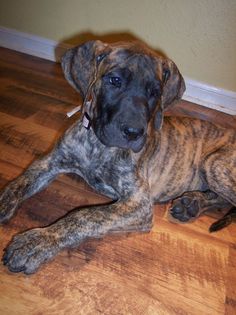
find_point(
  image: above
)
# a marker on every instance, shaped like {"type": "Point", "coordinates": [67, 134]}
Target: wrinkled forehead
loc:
{"type": "Point", "coordinates": [136, 62]}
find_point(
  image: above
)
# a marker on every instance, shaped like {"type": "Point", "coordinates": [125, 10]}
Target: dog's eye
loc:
{"type": "Point", "coordinates": [116, 81]}
{"type": "Point", "coordinates": [101, 57]}
{"type": "Point", "coordinates": [153, 92]}
{"type": "Point", "coordinates": [166, 75]}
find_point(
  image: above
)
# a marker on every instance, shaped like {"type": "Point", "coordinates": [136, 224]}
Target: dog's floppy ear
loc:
{"type": "Point", "coordinates": [79, 64]}
{"type": "Point", "coordinates": [173, 88]}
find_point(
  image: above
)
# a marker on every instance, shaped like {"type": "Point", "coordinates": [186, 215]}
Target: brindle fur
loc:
{"type": "Point", "coordinates": [188, 161]}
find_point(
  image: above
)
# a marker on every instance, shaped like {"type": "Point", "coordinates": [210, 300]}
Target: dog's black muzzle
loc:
{"type": "Point", "coordinates": [123, 124]}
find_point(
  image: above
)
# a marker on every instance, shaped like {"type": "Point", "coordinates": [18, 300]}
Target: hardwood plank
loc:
{"type": "Point", "coordinates": [174, 269]}
{"type": "Point", "coordinates": [230, 300]}
{"type": "Point", "coordinates": [27, 62]}
{"type": "Point", "coordinates": [38, 82]}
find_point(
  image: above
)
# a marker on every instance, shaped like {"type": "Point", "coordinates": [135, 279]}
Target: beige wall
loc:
{"type": "Point", "coordinates": [199, 35]}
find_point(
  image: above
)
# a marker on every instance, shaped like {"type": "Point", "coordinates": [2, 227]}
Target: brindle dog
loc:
{"type": "Point", "coordinates": [126, 152]}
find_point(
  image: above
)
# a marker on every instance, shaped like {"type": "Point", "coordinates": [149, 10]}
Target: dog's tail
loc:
{"type": "Point", "coordinates": [225, 221]}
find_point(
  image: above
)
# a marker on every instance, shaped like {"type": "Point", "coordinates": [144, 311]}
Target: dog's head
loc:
{"type": "Point", "coordinates": [126, 87]}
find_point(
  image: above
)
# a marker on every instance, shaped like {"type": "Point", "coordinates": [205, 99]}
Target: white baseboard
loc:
{"type": "Point", "coordinates": [210, 96]}
{"type": "Point", "coordinates": [196, 92]}
{"type": "Point", "coordinates": [32, 44]}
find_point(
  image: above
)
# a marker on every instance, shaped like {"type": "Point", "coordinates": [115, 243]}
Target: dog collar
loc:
{"type": "Point", "coordinates": [74, 111]}
{"type": "Point", "coordinates": [86, 118]}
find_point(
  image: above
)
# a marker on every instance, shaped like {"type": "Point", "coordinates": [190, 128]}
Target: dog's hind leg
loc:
{"type": "Point", "coordinates": [220, 173]}
{"type": "Point", "coordinates": [220, 170]}
{"type": "Point", "coordinates": [190, 205]}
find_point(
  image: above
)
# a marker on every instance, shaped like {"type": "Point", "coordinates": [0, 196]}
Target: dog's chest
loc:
{"type": "Point", "coordinates": [108, 170]}
{"type": "Point", "coordinates": [110, 173]}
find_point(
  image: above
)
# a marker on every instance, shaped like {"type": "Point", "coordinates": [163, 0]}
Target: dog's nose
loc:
{"type": "Point", "coordinates": [132, 133]}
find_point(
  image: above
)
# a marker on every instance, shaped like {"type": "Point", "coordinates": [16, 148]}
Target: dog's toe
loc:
{"type": "Point", "coordinates": [178, 213]}
{"type": "Point", "coordinates": [193, 209]}
{"type": "Point", "coordinates": [178, 209]}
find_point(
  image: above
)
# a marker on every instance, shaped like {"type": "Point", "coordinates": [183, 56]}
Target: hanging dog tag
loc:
{"type": "Point", "coordinates": [86, 121]}
{"type": "Point", "coordinates": [86, 118]}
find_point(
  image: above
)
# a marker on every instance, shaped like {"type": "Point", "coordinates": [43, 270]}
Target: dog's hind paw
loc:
{"type": "Point", "coordinates": [184, 209]}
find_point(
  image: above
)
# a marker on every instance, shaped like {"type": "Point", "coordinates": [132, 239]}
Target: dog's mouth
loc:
{"type": "Point", "coordinates": [137, 145]}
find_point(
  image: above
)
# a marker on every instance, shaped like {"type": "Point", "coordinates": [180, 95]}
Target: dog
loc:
{"type": "Point", "coordinates": [124, 148]}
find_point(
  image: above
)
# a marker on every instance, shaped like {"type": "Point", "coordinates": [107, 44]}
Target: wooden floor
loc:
{"type": "Point", "coordinates": [174, 269]}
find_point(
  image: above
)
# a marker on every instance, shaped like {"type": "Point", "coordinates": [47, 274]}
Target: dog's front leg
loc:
{"type": "Point", "coordinates": [35, 178]}
{"type": "Point", "coordinates": [27, 251]}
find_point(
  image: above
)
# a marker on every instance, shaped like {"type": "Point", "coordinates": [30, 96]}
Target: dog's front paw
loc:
{"type": "Point", "coordinates": [27, 251]}
{"type": "Point", "coordinates": [184, 209]}
{"type": "Point", "coordinates": [8, 204]}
